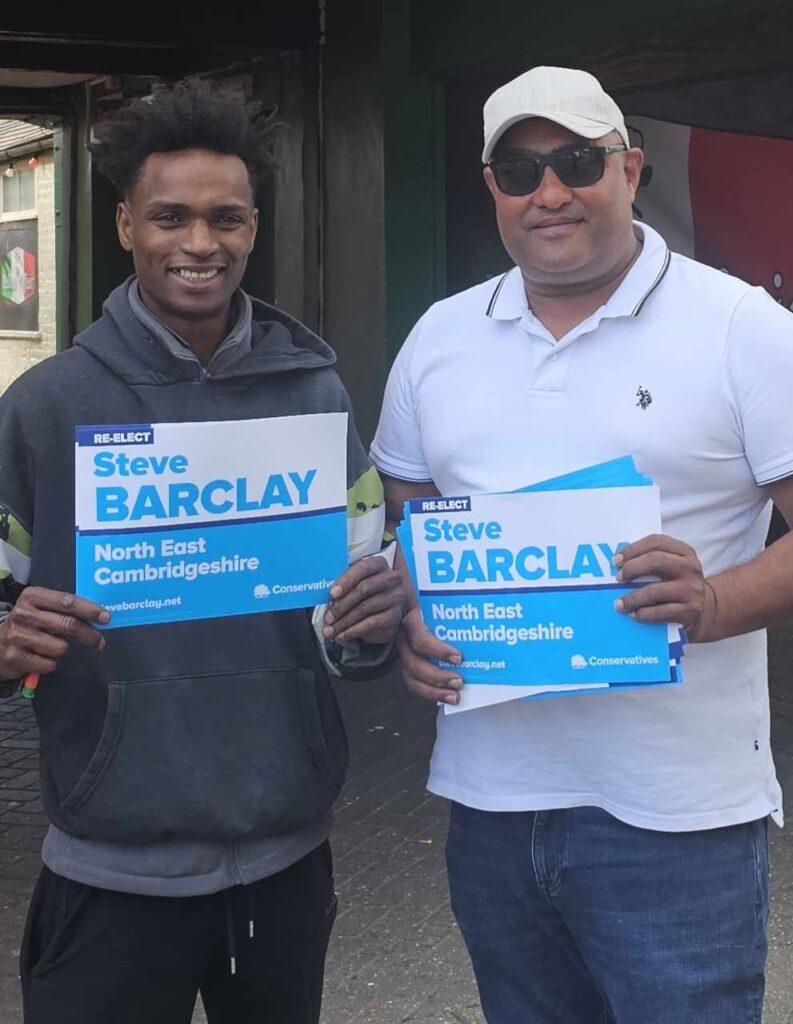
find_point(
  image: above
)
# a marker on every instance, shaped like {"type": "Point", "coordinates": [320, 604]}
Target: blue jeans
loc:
{"type": "Point", "coordinates": [573, 917]}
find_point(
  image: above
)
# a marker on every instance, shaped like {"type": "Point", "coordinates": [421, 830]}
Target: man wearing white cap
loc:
{"type": "Point", "coordinates": [607, 853]}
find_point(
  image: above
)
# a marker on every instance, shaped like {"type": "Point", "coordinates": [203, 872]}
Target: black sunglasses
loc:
{"type": "Point", "coordinates": [574, 166]}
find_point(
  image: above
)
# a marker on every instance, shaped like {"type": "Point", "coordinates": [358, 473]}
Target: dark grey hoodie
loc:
{"type": "Point", "coordinates": [191, 756]}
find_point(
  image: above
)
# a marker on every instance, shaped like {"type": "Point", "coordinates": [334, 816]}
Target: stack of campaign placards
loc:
{"type": "Point", "coordinates": [524, 585]}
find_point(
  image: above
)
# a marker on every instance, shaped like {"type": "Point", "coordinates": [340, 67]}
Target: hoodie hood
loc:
{"type": "Point", "coordinates": [120, 341]}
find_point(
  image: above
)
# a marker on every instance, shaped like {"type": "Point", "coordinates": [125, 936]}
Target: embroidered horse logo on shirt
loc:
{"type": "Point", "coordinates": [645, 399]}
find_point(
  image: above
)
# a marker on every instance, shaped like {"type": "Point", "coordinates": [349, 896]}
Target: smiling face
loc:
{"type": "Point", "coordinates": [190, 224]}
{"type": "Point", "coordinates": [566, 238]}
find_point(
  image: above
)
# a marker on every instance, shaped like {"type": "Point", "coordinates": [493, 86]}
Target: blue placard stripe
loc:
{"type": "Point", "coordinates": [504, 593]}
{"type": "Point", "coordinates": [157, 528]}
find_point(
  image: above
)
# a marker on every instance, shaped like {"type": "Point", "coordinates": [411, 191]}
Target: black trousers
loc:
{"type": "Point", "coordinates": [94, 956]}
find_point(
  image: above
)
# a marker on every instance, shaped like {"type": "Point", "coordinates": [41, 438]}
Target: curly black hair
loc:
{"type": "Point", "coordinates": [193, 114]}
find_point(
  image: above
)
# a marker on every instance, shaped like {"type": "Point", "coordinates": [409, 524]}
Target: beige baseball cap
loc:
{"type": "Point", "coordinates": [574, 99]}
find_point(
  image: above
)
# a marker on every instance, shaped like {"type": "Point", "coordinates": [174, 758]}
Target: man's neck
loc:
{"type": "Point", "coordinates": [203, 335]}
{"type": "Point", "coordinates": [562, 309]}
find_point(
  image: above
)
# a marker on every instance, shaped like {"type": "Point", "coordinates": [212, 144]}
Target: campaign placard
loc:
{"type": "Point", "coordinates": [524, 585]}
{"type": "Point", "coordinates": [179, 521]}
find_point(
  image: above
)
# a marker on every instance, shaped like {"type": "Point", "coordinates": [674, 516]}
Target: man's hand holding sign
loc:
{"type": "Point", "coordinates": [41, 627]}
{"type": "Point", "coordinates": [680, 594]}
{"type": "Point", "coordinates": [367, 603]}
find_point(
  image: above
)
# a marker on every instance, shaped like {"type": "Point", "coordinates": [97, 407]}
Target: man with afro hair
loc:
{"type": "Point", "coordinates": [188, 768]}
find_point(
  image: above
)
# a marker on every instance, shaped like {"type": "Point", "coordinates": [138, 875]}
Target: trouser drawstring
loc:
{"type": "Point", "coordinates": [230, 937]}
{"type": "Point", "coordinates": [230, 934]}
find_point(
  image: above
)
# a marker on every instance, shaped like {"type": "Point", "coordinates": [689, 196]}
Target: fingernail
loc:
{"type": "Point", "coordinates": [619, 605]}
{"type": "Point", "coordinates": [455, 659]}
{"type": "Point", "coordinates": [451, 698]}
{"type": "Point", "coordinates": [328, 617]}
{"type": "Point", "coordinates": [335, 591]}
{"type": "Point", "coordinates": [618, 559]}
{"type": "Point", "coordinates": [102, 644]}
{"type": "Point", "coordinates": [327, 631]}
{"type": "Point", "coordinates": [104, 617]}
{"type": "Point", "coordinates": [619, 576]}
{"type": "Point", "coordinates": [456, 682]}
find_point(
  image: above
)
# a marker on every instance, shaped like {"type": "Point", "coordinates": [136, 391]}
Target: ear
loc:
{"type": "Point", "coordinates": [254, 228]}
{"type": "Point", "coordinates": [632, 163]}
{"type": "Point", "coordinates": [124, 226]}
{"type": "Point", "coordinates": [490, 181]}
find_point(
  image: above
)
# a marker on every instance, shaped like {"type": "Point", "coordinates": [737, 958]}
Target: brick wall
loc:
{"type": "Point", "coordinates": [18, 354]}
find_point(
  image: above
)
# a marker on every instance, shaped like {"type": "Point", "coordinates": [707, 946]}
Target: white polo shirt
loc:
{"type": "Point", "coordinates": [690, 371]}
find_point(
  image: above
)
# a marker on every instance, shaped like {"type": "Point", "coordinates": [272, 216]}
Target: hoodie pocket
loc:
{"type": "Point", "coordinates": [221, 756]}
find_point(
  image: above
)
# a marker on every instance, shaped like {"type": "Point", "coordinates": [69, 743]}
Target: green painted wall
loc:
{"type": "Point", "coordinates": [414, 174]}
{"type": "Point", "coordinates": [352, 237]}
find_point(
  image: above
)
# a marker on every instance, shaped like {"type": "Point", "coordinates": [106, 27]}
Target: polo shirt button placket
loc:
{"type": "Point", "coordinates": [551, 373]}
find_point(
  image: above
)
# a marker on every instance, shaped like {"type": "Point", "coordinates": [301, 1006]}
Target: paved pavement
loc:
{"type": "Point", "coordinates": [396, 956]}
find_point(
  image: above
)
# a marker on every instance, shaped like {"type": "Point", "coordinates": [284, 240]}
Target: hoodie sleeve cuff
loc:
{"type": "Point", "coordinates": [9, 688]}
{"type": "Point", "coordinates": [357, 659]}
{"type": "Point", "coordinates": [368, 662]}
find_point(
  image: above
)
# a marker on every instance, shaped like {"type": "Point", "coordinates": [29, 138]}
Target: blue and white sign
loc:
{"type": "Point", "coordinates": [524, 585]}
{"type": "Point", "coordinates": [183, 521]}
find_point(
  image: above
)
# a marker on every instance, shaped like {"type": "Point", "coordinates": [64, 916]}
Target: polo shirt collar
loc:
{"type": "Point", "coordinates": [507, 300]}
